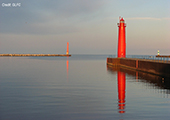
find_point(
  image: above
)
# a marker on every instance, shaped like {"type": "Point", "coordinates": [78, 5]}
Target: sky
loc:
{"type": "Point", "coordinates": [90, 26]}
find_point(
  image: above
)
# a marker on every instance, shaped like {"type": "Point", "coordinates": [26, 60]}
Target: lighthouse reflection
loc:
{"type": "Point", "coordinates": [67, 65]}
{"type": "Point", "coordinates": [121, 85]}
{"type": "Point", "coordinates": [157, 83]}
{"type": "Point", "coordinates": [121, 80]}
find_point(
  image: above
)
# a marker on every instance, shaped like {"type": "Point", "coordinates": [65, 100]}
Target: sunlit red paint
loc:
{"type": "Point", "coordinates": [121, 39]}
{"type": "Point", "coordinates": [67, 48]}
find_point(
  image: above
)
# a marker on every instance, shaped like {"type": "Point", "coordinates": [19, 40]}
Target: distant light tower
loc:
{"type": "Point", "coordinates": [67, 52]}
{"type": "Point", "coordinates": [158, 52]}
{"type": "Point", "coordinates": [121, 38]}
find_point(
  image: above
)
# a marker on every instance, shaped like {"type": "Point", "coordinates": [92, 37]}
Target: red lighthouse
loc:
{"type": "Point", "coordinates": [67, 52]}
{"type": "Point", "coordinates": [121, 39]}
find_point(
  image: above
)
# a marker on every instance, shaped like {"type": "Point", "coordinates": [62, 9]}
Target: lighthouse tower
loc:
{"type": "Point", "coordinates": [121, 39]}
{"type": "Point", "coordinates": [67, 52]}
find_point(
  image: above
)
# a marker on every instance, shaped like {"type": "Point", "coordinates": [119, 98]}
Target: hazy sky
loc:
{"type": "Point", "coordinates": [90, 26]}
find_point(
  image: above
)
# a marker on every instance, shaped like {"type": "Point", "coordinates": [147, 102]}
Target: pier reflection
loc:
{"type": "Point", "coordinates": [150, 80]}
{"type": "Point", "coordinates": [161, 82]}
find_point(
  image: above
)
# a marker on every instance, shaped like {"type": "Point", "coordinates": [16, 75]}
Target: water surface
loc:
{"type": "Point", "coordinates": [81, 87]}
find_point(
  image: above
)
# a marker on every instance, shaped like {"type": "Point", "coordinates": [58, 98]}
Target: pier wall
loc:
{"type": "Point", "coordinates": [149, 66]}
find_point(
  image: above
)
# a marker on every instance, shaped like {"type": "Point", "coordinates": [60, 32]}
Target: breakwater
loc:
{"type": "Point", "coordinates": [33, 55]}
{"type": "Point", "coordinates": [150, 66]}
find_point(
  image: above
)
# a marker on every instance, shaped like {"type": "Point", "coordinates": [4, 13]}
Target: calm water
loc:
{"type": "Point", "coordinates": [78, 88]}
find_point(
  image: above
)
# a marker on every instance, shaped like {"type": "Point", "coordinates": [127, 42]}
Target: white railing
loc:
{"type": "Point", "coordinates": [146, 57]}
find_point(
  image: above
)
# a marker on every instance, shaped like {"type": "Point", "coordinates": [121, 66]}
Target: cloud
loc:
{"type": "Point", "coordinates": [146, 18]}
{"type": "Point", "coordinates": [61, 13]}
{"type": "Point", "coordinates": [166, 18]}
{"type": "Point", "coordinates": [136, 18]}
{"type": "Point", "coordinates": [72, 7]}
{"type": "Point", "coordinates": [51, 29]}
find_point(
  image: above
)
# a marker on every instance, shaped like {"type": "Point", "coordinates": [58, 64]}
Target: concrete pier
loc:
{"type": "Point", "coordinates": [33, 55]}
{"type": "Point", "coordinates": [150, 66]}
